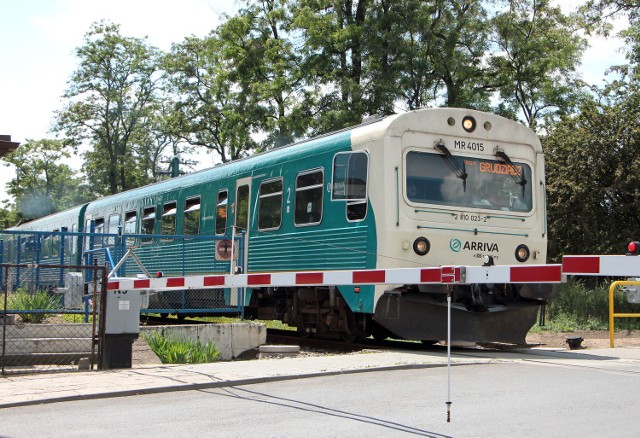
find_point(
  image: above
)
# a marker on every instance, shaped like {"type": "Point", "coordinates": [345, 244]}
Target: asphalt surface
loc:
{"type": "Point", "coordinates": [30, 389]}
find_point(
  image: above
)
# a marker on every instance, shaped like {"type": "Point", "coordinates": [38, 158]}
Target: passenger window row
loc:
{"type": "Point", "coordinates": [350, 184]}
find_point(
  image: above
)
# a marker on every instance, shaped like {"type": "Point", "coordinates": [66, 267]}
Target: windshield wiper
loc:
{"type": "Point", "coordinates": [517, 175]}
{"type": "Point", "coordinates": [460, 171]}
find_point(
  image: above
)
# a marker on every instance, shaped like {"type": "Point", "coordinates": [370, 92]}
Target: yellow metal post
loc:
{"type": "Point", "coordinates": [612, 314]}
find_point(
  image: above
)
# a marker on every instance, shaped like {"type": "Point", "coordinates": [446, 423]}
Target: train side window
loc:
{"type": "Point", "coordinates": [148, 223]}
{"type": "Point", "coordinates": [130, 219]}
{"type": "Point", "coordinates": [114, 223]}
{"type": "Point", "coordinates": [191, 224]}
{"type": "Point", "coordinates": [242, 208]}
{"type": "Point", "coordinates": [309, 197]}
{"type": "Point", "coordinates": [350, 176]}
{"type": "Point", "coordinates": [73, 240]}
{"type": "Point", "coordinates": [99, 229]}
{"type": "Point", "coordinates": [99, 225]}
{"type": "Point", "coordinates": [350, 173]}
{"type": "Point", "coordinates": [54, 243]}
{"type": "Point", "coordinates": [169, 218]}
{"type": "Point", "coordinates": [270, 205]}
{"type": "Point", "coordinates": [221, 212]}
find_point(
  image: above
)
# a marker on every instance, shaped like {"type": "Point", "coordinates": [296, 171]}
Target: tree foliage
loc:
{"type": "Point", "coordinates": [539, 50]}
{"type": "Point", "coordinates": [593, 190]}
{"type": "Point", "coordinates": [42, 184]}
{"type": "Point", "coordinates": [111, 96]}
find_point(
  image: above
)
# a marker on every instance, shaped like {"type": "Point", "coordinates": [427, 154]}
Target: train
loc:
{"type": "Point", "coordinates": [430, 187]}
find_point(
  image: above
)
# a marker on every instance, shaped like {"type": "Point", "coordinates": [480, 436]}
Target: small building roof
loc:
{"type": "Point", "coordinates": [6, 145]}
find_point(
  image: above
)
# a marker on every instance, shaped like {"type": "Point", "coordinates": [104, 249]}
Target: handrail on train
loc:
{"type": "Point", "coordinates": [612, 314]}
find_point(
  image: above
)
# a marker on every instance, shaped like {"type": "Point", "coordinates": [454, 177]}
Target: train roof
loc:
{"type": "Point", "coordinates": [501, 129]}
{"type": "Point", "coordinates": [306, 148]}
{"type": "Point", "coordinates": [61, 218]}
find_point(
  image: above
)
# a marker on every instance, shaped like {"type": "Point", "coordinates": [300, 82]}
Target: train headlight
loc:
{"type": "Point", "coordinates": [421, 246]}
{"type": "Point", "coordinates": [469, 123]}
{"type": "Point", "coordinates": [522, 253]}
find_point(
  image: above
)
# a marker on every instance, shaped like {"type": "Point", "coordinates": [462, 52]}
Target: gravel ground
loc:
{"type": "Point", "coordinates": [592, 338]}
{"type": "Point", "coordinates": [142, 354]}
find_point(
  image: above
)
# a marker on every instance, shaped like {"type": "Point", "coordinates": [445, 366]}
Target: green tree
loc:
{"type": "Point", "coordinates": [111, 97]}
{"type": "Point", "coordinates": [539, 50]}
{"type": "Point", "coordinates": [334, 45]}
{"type": "Point", "coordinates": [43, 186]}
{"type": "Point", "coordinates": [9, 217]}
{"type": "Point", "coordinates": [210, 110]}
{"type": "Point", "coordinates": [265, 62]}
{"type": "Point", "coordinates": [593, 191]}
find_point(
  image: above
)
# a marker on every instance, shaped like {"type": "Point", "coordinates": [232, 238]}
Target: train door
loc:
{"type": "Point", "coordinates": [242, 212]}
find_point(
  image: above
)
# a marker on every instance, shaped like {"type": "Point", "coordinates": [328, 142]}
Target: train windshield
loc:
{"type": "Point", "coordinates": [468, 182]}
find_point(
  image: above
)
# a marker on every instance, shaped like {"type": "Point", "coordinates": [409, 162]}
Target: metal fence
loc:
{"type": "Point", "coordinates": [50, 328]}
{"type": "Point", "coordinates": [131, 255]}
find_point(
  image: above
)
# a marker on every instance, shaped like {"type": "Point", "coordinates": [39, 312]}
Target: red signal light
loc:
{"type": "Point", "coordinates": [634, 248]}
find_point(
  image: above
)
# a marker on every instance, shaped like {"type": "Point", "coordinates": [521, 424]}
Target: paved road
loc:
{"type": "Point", "coordinates": [531, 397]}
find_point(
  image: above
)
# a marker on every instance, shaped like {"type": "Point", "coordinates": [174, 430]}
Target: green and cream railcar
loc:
{"type": "Point", "coordinates": [425, 188]}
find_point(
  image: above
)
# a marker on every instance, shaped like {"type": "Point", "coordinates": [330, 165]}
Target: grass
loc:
{"type": "Point", "coordinates": [175, 350]}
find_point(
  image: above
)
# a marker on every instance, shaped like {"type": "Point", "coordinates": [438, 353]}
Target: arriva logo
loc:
{"type": "Point", "coordinates": [455, 245]}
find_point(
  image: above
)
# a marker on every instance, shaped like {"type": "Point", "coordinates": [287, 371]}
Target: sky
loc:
{"type": "Point", "coordinates": [38, 39]}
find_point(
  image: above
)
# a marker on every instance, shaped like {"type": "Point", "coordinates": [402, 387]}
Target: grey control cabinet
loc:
{"type": "Point", "coordinates": [121, 328]}
{"type": "Point", "coordinates": [123, 312]}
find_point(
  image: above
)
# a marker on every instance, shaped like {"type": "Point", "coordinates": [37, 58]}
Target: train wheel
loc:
{"type": "Point", "coordinates": [304, 334]}
{"type": "Point", "coordinates": [379, 333]}
{"type": "Point", "coordinates": [351, 333]}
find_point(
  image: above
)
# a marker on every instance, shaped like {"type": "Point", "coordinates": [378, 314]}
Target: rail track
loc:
{"type": "Point", "coordinates": [291, 337]}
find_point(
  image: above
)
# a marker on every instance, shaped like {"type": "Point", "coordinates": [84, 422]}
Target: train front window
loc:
{"type": "Point", "coordinates": [489, 184]}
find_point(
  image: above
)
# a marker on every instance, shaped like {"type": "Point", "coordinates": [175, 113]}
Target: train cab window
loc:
{"type": "Point", "coordinates": [114, 223]}
{"type": "Point", "coordinates": [487, 183]}
{"type": "Point", "coordinates": [221, 212]}
{"type": "Point", "coordinates": [270, 205]}
{"type": "Point", "coordinates": [242, 208]}
{"type": "Point", "coordinates": [191, 225]}
{"type": "Point", "coordinates": [309, 196]}
{"type": "Point", "coordinates": [169, 218]}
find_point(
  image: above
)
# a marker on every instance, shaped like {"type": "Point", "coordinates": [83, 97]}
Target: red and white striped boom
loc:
{"type": "Point", "coordinates": [439, 275]}
{"type": "Point", "coordinates": [594, 265]}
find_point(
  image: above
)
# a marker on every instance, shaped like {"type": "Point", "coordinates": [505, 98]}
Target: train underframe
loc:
{"type": "Point", "coordinates": [479, 313]}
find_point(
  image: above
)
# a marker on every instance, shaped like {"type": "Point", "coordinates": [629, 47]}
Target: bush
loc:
{"type": "Point", "coordinates": [578, 306]}
{"type": "Point", "coordinates": [40, 300]}
{"type": "Point", "coordinates": [175, 350]}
